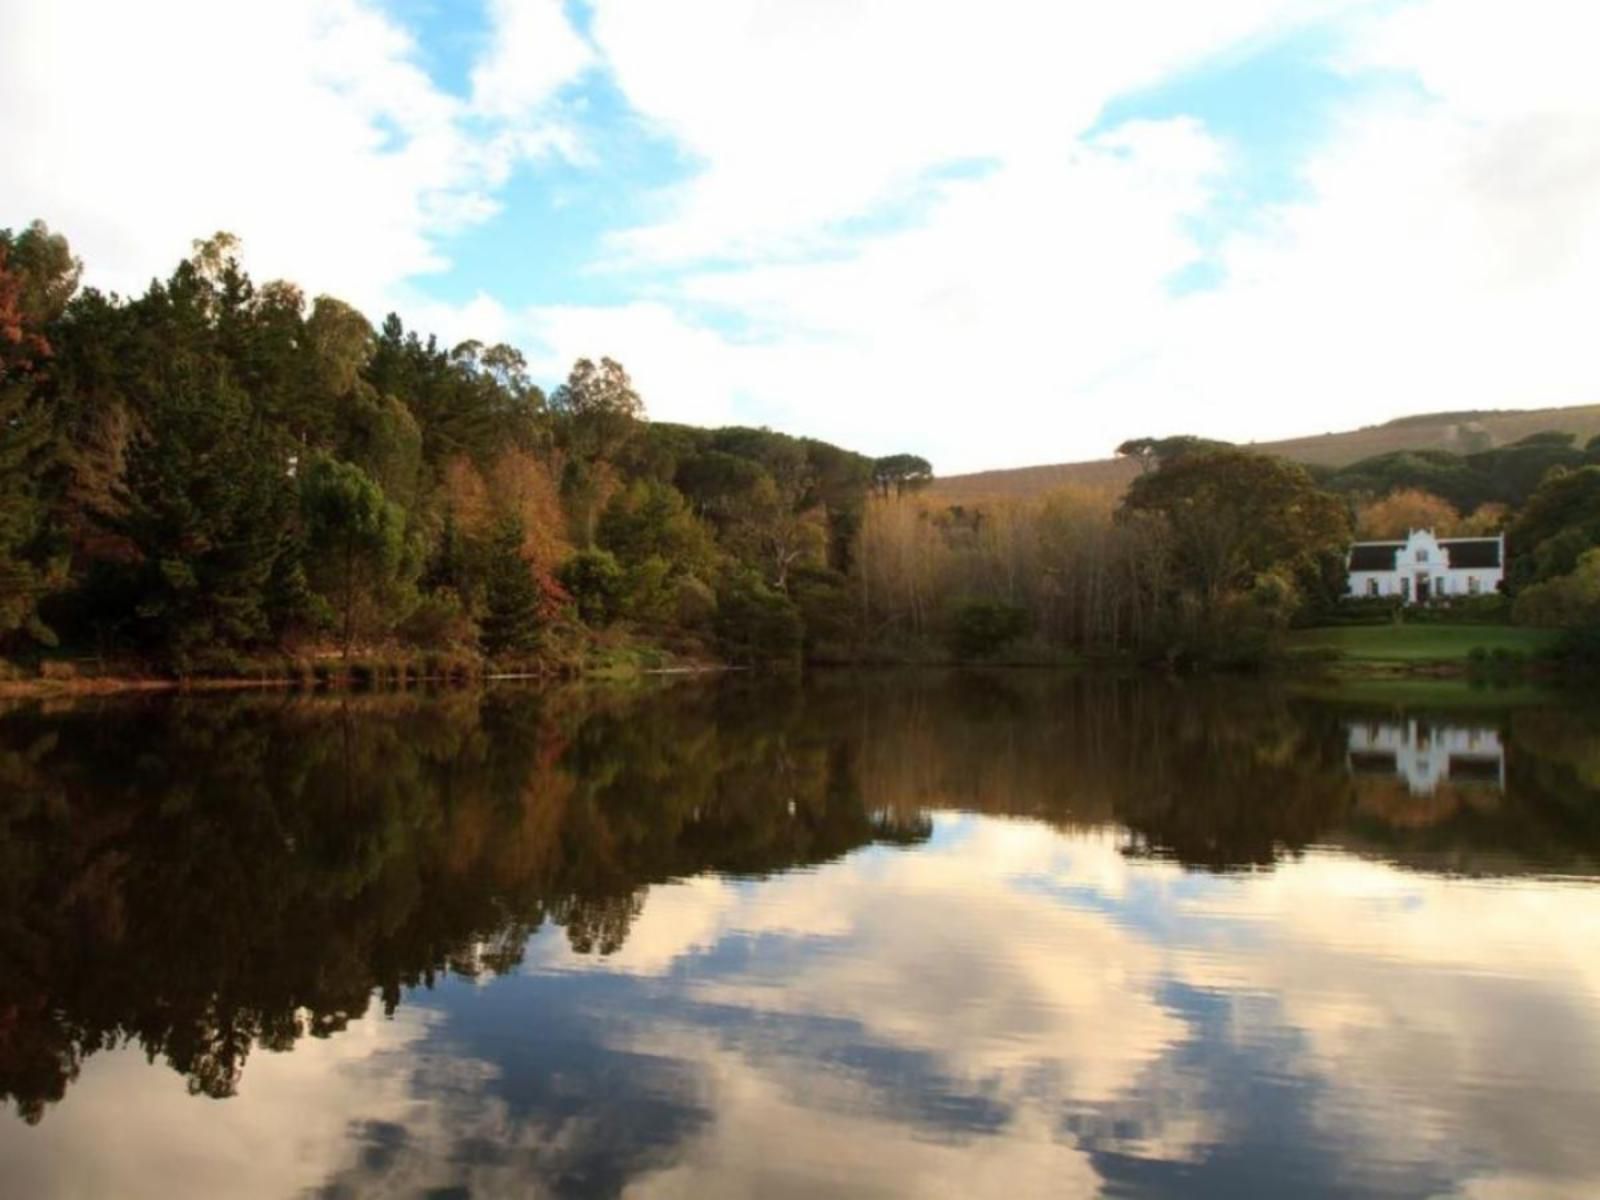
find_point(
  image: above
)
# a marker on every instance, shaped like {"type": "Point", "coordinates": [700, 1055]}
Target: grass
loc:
{"type": "Point", "coordinates": [1419, 643]}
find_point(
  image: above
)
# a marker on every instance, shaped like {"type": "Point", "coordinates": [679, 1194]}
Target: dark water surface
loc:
{"type": "Point", "coordinates": [936, 935]}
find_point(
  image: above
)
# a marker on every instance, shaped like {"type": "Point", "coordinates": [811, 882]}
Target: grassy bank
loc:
{"type": "Point", "coordinates": [1419, 645]}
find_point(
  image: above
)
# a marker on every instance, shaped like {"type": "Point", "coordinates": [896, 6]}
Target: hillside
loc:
{"type": "Point", "coordinates": [1462, 432]}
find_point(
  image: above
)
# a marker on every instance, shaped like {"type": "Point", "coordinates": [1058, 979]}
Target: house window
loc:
{"type": "Point", "coordinates": [1422, 556]}
{"type": "Point", "coordinates": [1472, 585]}
{"type": "Point", "coordinates": [1405, 587]}
{"type": "Point", "coordinates": [1372, 587]}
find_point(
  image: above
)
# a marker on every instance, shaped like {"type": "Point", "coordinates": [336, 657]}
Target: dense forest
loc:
{"type": "Point", "coordinates": [218, 474]}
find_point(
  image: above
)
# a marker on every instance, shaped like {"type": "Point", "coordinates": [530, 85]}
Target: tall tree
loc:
{"type": "Point", "coordinates": [206, 507]}
{"type": "Point", "coordinates": [1559, 524]}
{"type": "Point", "coordinates": [511, 620]}
{"type": "Point", "coordinates": [38, 275]}
{"type": "Point", "coordinates": [901, 473]}
{"type": "Point", "coordinates": [1401, 511]}
{"type": "Point", "coordinates": [598, 408]}
{"type": "Point", "coordinates": [355, 533]}
{"type": "Point", "coordinates": [1235, 515]}
{"type": "Point", "coordinates": [1151, 453]}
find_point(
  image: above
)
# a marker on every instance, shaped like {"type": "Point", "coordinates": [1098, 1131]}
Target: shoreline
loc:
{"type": "Point", "coordinates": [398, 678]}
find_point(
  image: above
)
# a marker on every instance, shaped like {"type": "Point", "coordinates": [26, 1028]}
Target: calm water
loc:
{"type": "Point", "coordinates": [942, 935]}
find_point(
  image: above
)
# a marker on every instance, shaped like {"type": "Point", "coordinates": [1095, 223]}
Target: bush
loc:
{"type": "Point", "coordinates": [982, 628]}
{"type": "Point", "coordinates": [1364, 610]}
{"type": "Point", "coordinates": [1577, 652]}
{"type": "Point", "coordinates": [438, 622]}
{"type": "Point", "coordinates": [647, 592]}
{"type": "Point", "coordinates": [596, 584]}
{"type": "Point", "coordinates": [754, 624]}
{"type": "Point", "coordinates": [1570, 601]}
{"type": "Point", "coordinates": [1464, 610]}
{"type": "Point", "coordinates": [1499, 664]}
{"type": "Point", "coordinates": [694, 603]}
{"type": "Point", "coordinates": [829, 614]}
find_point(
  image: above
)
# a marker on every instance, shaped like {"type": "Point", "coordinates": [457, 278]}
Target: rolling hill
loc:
{"type": "Point", "coordinates": [1462, 432]}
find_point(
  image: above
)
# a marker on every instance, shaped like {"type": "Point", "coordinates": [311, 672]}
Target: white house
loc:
{"type": "Point", "coordinates": [1424, 568]}
{"type": "Point", "coordinates": [1426, 755]}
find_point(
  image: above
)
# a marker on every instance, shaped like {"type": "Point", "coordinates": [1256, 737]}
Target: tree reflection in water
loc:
{"type": "Point", "coordinates": [205, 876]}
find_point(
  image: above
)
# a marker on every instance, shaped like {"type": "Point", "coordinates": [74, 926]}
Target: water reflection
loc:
{"type": "Point", "coordinates": [1427, 754]}
{"type": "Point", "coordinates": [726, 940]}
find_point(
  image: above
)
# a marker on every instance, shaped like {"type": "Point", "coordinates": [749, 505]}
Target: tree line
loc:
{"type": "Point", "coordinates": [218, 468]}
{"type": "Point", "coordinates": [1215, 550]}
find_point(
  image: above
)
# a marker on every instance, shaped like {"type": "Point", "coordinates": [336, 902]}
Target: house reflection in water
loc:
{"type": "Point", "coordinates": [1427, 754]}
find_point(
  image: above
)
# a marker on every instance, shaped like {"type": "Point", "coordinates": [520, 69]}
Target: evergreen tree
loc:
{"type": "Point", "coordinates": [355, 535]}
{"type": "Point", "coordinates": [207, 506]}
{"type": "Point", "coordinates": [512, 598]}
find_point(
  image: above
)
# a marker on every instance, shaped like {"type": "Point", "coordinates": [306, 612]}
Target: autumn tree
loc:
{"type": "Point", "coordinates": [37, 277]}
{"type": "Point", "coordinates": [1398, 513]}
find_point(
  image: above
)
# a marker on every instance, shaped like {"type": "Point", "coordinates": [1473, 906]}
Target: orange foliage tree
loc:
{"type": "Point", "coordinates": [1401, 511]}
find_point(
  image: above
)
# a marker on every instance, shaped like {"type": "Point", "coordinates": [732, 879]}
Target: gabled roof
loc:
{"type": "Point", "coordinates": [1472, 552]}
{"type": "Point", "coordinates": [1374, 556]}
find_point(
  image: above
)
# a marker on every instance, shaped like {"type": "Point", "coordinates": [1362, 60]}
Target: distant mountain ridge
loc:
{"type": "Point", "coordinates": [1461, 432]}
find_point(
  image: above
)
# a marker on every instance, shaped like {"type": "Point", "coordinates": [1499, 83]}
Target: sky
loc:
{"type": "Point", "coordinates": [993, 234]}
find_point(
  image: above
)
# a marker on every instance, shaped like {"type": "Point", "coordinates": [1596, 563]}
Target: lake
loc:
{"type": "Point", "coordinates": [897, 934]}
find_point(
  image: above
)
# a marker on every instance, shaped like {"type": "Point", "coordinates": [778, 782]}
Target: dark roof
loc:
{"type": "Point", "coordinates": [1473, 552]}
{"type": "Point", "coordinates": [1374, 556]}
{"type": "Point", "coordinates": [1375, 762]}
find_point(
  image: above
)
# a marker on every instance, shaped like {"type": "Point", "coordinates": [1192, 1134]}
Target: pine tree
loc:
{"type": "Point", "coordinates": [511, 622]}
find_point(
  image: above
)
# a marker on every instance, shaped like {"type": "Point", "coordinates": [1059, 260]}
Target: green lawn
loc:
{"type": "Point", "coordinates": [1418, 643]}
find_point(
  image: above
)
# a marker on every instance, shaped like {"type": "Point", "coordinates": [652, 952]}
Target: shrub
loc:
{"type": "Point", "coordinates": [826, 609]}
{"type": "Point", "coordinates": [1570, 601]}
{"type": "Point", "coordinates": [596, 584]}
{"type": "Point", "coordinates": [755, 624]}
{"type": "Point", "coordinates": [694, 603]}
{"type": "Point", "coordinates": [1364, 610]}
{"type": "Point", "coordinates": [1578, 651]}
{"type": "Point", "coordinates": [438, 622]}
{"type": "Point", "coordinates": [647, 592]}
{"type": "Point", "coordinates": [982, 628]}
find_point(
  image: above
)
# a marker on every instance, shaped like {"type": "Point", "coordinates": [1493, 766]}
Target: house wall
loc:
{"type": "Point", "coordinates": [1422, 553]}
{"type": "Point", "coordinates": [1388, 583]}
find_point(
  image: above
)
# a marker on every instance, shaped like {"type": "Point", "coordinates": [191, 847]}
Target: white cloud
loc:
{"type": "Point", "coordinates": [685, 372]}
{"type": "Point", "coordinates": [307, 128]}
{"type": "Point", "coordinates": [1003, 956]}
{"type": "Point", "coordinates": [286, 1131]}
{"type": "Point", "coordinates": [806, 114]}
{"type": "Point", "coordinates": [534, 52]}
{"type": "Point", "coordinates": [1446, 255]}
{"type": "Point", "coordinates": [1445, 252]}
{"type": "Point", "coordinates": [1021, 289]}
{"type": "Point", "coordinates": [902, 230]}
